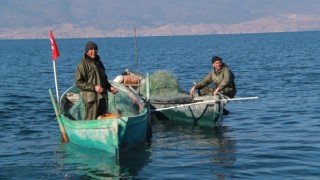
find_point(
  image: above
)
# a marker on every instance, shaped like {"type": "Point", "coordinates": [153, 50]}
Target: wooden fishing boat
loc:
{"type": "Point", "coordinates": [124, 126]}
{"type": "Point", "coordinates": [201, 110]}
{"type": "Point", "coordinates": [168, 101]}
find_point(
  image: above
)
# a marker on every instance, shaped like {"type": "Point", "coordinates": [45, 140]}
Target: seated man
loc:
{"type": "Point", "coordinates": [221, 76]}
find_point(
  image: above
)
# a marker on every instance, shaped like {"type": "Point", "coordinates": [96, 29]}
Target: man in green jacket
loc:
{"type": "Point", "coordinates": [93, 82]}
{"type": "Point", "coordinates": [221, 76]}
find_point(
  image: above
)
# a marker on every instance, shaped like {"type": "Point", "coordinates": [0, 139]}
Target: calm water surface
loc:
{"type": "Point", "coordinates": [274, 137]}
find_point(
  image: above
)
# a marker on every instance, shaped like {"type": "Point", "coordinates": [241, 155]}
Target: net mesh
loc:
{"type": "Point", "coordinates": [118, 103]}
{"type": "Point", "coordinates": [163, 86]}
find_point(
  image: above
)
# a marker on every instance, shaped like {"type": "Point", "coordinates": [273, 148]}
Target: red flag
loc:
{"type": "Point", "coordinates": [55, 51]}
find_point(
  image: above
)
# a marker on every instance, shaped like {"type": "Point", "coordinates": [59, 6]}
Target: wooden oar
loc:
{"type": "Point", "coordinates": [63, 132]}
{"type": "Point", "coordinates": [206, 102]}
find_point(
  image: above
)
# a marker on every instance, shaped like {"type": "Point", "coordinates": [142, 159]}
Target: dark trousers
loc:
{"type": "Point", "coordinates": [228, 91]}
{"type": "Point", "coordinates": [95, 109]}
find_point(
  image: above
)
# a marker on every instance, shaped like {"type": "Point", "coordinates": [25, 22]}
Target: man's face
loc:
{"type": "Point", "coordinates": [92, 53]}
{"type": "Point", "coordinates": [217, 65]}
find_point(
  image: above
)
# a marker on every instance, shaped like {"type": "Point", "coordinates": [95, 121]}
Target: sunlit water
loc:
{"type": "Point", "coordinates": [274, 137]}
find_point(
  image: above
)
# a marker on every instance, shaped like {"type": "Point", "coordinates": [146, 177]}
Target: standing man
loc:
{"type": "Point", "coordinates": [93, 82]}
{"type": "Point", "coordinates": [221, 76]}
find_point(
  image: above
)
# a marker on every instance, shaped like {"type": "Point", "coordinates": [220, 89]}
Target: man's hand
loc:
{"type": "Point", "coordinates": [216, 91]}
{"type": "Point", "coordinates": [98, 89]}
{"type": "Point", "coordinates": [192, 91]}
{"type": "Point", "coordinates": [113, 90]}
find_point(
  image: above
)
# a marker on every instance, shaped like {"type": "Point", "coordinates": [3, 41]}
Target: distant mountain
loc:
{"type": "Point", "coordinates": [83, 18]}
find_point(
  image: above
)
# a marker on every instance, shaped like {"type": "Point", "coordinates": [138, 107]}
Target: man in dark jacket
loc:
{"type": "Point", "coordinates": [221, 76]}
{"type": "Point", "coordinates": [93, 82]}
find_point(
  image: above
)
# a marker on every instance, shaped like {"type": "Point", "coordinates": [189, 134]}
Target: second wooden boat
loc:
{"type": "Point", "coordinates": [168, 101]}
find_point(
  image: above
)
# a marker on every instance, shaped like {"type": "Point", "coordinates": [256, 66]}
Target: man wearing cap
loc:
{"type": "Point", "coordinates": [93, 82]}
{"type": "Point", "coordinates": [221, 76]}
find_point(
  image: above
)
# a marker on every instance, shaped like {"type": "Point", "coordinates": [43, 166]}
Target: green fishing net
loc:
{"type": "Point", "coordinates": [163, 86]}
{"type": "Point", "coordinates": [118, 103]}
{"type": "Point", "coordinates": [123, 104]}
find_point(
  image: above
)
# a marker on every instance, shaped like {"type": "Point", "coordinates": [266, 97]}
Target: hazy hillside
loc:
{"type": "Point", "coordinates": [83, 18]}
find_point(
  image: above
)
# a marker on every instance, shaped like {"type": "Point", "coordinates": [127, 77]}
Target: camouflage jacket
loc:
{"type": "Point", "coordinates": [89, 74]}
{"type": "Point", "coordinates": [222, 79]}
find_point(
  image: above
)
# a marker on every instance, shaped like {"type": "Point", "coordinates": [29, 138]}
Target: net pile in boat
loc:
{"type": "Point", "coordinates": [119, 103]}
{"type": "Point", "coordinates": [123, 104]}
{"type": "Point", "coordinates": [164, 87]}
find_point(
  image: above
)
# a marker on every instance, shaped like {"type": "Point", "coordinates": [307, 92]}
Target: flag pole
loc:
{"type": "Point", "coordinates": [55, 55]}
{"type": "Point", "coordinates": [55, 80]}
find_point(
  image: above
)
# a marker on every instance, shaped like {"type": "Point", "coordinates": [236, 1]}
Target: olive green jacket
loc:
{"type": "Point", "coordinates": [223, 79]}
{"type": "Point", "coordinates": [89, 74]}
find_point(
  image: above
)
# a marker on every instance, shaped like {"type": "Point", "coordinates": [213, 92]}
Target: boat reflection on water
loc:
{"type": "Point", "coordinates": [185, 146]}
{"type": "Point", "coordinates": [200, 146]}
{"type": "Point", "coordinates": [78, 162]}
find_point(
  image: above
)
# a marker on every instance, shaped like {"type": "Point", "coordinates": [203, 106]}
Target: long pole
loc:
{"type": "Point", "coordinates": [136, 46]}
{"type": "Point", "coordinates": [55, 80]}
{"type": "Point", "coordinates": [184, 105]}
{"type": "Point", "coordinates": [205, 102]}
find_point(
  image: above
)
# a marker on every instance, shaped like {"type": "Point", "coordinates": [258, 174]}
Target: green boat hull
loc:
{"type": "Point", "coordinates": [112, 134]}
{"type": "Point", "coordinates": [200, 114]}
{"type": "Point", "coordinates": [98, 134]}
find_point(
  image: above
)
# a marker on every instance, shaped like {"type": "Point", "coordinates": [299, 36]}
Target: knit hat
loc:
{"type": "Point", "coordinates": [216, 58]}
{"type": "Point", "coordinates": [91, 45]}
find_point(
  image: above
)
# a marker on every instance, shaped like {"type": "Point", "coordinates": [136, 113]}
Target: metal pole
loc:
{"type": "Point", "coordinates": [55, 80]}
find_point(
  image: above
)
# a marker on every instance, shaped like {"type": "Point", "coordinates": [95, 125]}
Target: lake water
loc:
{"type": "Point", "coordinates": [274, 137]}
